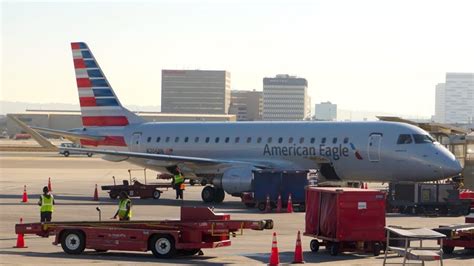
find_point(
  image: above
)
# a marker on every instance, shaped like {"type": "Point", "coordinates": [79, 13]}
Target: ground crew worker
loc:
{"type": "Point", "coordinates": [178, 183]}
{"type": "Point", "coordinates": [46, 203]}
{"type": "Point", "coordinates": [124, 211]}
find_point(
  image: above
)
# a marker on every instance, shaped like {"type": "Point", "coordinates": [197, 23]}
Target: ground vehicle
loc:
{"type": "Point", "coordinates": [427, 199]}
{"type": "Point", "coordinates": [345, 219]}
{"type": "Point", "coordinates": [458, 235]}
{"type": "Point", "coordinates": [199, 227]}
{"type": "Point", "coordinates": [137, 189]}
{"type": "Point", "coordinates": [64, 149]}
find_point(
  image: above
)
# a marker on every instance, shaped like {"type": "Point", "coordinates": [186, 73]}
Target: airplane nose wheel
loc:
{"type": "Point", "coordinates": [211, 194]}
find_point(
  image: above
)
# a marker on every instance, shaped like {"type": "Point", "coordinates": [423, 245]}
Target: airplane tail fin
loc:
{"type": "Point", "coordinates": [100, 106]}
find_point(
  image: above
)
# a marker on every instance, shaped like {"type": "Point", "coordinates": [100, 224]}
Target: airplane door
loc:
{"type": "Point", "coordinates": [136, 139]}
{"type": "Point", "coordinates": [373, 148]}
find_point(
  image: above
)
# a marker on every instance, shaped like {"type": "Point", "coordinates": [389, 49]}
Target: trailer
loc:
{"type": "Point", "coordinates": [345, 219]}
{"type": "Point", "coordinates": [274, 183]}
{"type": "Point", "coordinates": [135, 188]}
{"type": "Point", "coordinates": [198, 228]}
{"type": "Point", "coordinates": [430, 199]}
{"type": "Point", "coordinates": [458, 235]}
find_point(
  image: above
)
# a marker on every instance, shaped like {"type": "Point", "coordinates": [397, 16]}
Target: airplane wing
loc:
{"type": "Point", "coordinates": [40, 139]}
{"type": "Point", "coordinates": [74, 136]}
{"type": "Point", "coordinates": [170, 158]}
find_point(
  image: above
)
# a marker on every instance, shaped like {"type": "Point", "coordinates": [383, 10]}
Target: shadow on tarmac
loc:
{"type": "Point", "coordinates": [116, 256]}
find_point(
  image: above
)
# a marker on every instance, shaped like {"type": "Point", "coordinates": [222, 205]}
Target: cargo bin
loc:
{"type": "Point", "coordinates": [345, 219]}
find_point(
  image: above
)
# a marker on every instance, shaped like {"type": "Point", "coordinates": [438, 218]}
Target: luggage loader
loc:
{"type": "Point", "coordinates": [199, 227]}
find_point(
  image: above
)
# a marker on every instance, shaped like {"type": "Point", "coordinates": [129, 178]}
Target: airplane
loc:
{"type": "Point", "coordinates": [224, 154]}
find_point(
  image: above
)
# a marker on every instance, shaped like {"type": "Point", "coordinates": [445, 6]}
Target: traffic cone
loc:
{"type": "Point", "coordinates": [365, 186]}
{"type": "Point", "coordinates": [25, 196]}
{"type": "Point", "coordinates": [289, 207]}
{"type": "Point", "coordinates": [268, 207]}
{"type": "Point", "coordinates": [274, 257]}
{"type": "Point", "coordinates": [279, 203]}
{"type": "Point", "coordinates": [49, 184]}
{"type": "Point", "coordinates": [96, 194]}
{"type": "Point", "coordinates": [20, 240]}
{"type": "Point", "coordinates": [298, 250]}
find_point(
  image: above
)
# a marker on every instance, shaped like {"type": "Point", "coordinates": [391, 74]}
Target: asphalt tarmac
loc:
{"type": "Point", "coordinates": [73, 181]}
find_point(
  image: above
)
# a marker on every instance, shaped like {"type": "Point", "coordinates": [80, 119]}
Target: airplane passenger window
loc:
{"type": "Point", "coordinates": [227, 140]}
{"type": "Point", "coordinates": [158, 139]}
{"type": "Point", "coordinates": [186, 139]}
{"type": "Point", "coordinates": [167, 139]}
{"type": "Point", "coordinates": [148, 139]}
{"type": "Point", "coordinates": [249, 139]}
{"type": "Point", "coordinates": [280, 140]}
{"type": "Point", "coordinates": [269, 140]}
{"type": "Point", "coordinates": [207, 140]}
{"type": "Point", "coordinates": [290, 140]}
{"type": "Point", "coordinates": [196, 139]}
{"type": "Point", "coordinates": [312, 140]}
{"type": "Point", "coordinates": [259, 140]}
{"type": "Point", "coordinates": [346, 140]}
{"type": "Point", "coordinates": [217, 140]}
{"type": "Point", "coordinates": [404, 139]}
{"type": "Point", "coordinates": [422, 138]}
{"type": "Point", "coordinates": [301, 140]}
{"type": "Point", "coordinates": [323, 140]}
{"type": "Point", "coordinates": [237, 139]}
{"type": "Point", "coordinates": [176, 139]}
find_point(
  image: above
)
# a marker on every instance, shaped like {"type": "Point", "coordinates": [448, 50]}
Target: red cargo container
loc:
{"type": "Point", "coordinates": [345, 219]}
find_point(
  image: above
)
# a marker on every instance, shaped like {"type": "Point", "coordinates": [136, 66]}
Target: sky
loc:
{"type": "Point", "coordinates": [372, 55]}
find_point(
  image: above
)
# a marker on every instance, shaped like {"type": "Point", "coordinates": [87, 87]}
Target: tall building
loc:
{"type": "Point", "coordinates": [325, 111]}
{"type": "Point", "coordinates": [285, 98]}
{"type": "Point", "coordinates": [440, 103]}
{"type": "Point", "coordinates": [246, 105]}
{"type": "Point", "coordinates": [455, 100]}
{"type": "Point", "coordinates": [195, 91]}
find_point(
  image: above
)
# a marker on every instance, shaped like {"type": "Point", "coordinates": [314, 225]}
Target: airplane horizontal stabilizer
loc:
{"type": "Point", "coordinates": [68, 134]}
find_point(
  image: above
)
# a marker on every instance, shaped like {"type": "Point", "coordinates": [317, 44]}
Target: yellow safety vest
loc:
{"type": "Point", "coordinates": [123, 208]}
{"type": "Point", "coordinates": [47, 203]}
{"type": "Point", "coordinates": [178, 179]}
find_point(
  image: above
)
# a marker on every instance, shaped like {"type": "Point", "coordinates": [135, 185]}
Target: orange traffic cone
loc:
{"type": "Point", "coordinates": [279, 203]}
{"type": "Point", "coordinates": [25, 196]}
{"type": "Point", "coordinates": [365, 186]}
{"type": "Point", "coordinates": [268, 207]}
{"type": "Point", "coordinates": [298, 250]}
{"type": "Point", "coordinates": [49, 184]}
{"type": "Point", "coordinates": [20, 240]}
{"type": "Point", "coordinates": [289, 207]}
{"type": "Point", "coordinates": [96, 194]}
{"type": "Point", "coordinates": [274, 257]}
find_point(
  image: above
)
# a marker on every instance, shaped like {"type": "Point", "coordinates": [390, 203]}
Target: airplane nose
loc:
{"type": "Point", "coordinates": [452, 168]}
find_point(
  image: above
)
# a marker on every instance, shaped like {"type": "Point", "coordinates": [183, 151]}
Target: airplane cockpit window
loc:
{"type": "Point", "coordinates": [301, 140]}
{"type": "Point", "coordinates": [404, 139]}
{"type": "Point", "coordinates": [269, 140]}
{"type": "Point", "coordinates": [423, 138]}
{"type": "Point", "coordinates": [290, 140]}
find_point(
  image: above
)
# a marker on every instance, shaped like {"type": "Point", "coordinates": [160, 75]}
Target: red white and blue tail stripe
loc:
{"type": "Point", "coordinates": [100, 107]}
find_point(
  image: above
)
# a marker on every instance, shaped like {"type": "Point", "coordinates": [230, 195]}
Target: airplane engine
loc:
{"type": "Point", "coordinates": [235, 180]}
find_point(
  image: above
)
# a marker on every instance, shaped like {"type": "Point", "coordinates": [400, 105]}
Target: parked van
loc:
{"type": "Point", "coordinates": [63, 149]}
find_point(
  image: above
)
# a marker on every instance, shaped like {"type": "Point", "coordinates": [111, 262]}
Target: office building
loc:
{"type": "Point", "coordinates": [246, 105]}
{"type": "Point", "coordinates": [195, 91]}
{"type": "Point", "coordinates": [325, 111]}
{"type": "Point", "coordinates": [285, 98]}
{"type": "Point", "coordinates": [454, 102]}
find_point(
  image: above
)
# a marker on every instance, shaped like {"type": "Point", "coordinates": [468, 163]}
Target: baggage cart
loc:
{"type": "Point", "coordinates": [345, 219]}
{"type": "Point", "coordinates": [459, 235]}
{"type": "Point", "coordinates": [199, 227]}
{"type": "Point", "coordinates": [135, 188]}
{"type": "Point", "coordinates": [273, 183]}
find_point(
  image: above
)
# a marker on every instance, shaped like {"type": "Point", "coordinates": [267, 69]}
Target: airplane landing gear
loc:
{"type": "Point", "coordinates": [212, 194]}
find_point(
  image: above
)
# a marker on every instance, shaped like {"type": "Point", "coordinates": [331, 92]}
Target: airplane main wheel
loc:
{"type": "Point", "coordinates": [219, 195]}
{"type": "Point", "coordinates": [208, 194]}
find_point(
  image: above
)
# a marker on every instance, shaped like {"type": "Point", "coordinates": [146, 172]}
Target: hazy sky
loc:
{"type": "Point", "coordinates": [363, 55]}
